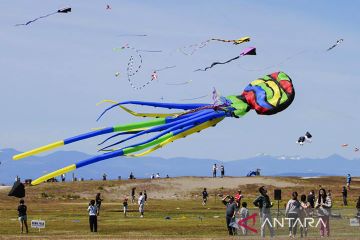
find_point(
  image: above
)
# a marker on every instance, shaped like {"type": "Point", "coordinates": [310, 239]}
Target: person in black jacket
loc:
{"type": "Point", "coordinates": [311, 199]}
{"type": "Point", "coordinates": [344, 195]}
{"type": "Point", "coordinates": [264, 204]}
{"type": "Point", "coordinates": [22, 216]}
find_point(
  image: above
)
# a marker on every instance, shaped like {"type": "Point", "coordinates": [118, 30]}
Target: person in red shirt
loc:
{"type": "Point", "coordinates": [238, 197]}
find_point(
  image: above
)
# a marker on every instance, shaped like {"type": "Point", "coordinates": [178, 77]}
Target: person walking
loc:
{"type": "Point", "coordinates": [348, 181]}
{"type": "Point", "coordinates": [304, 213]}
{"type": "Point", "coordinates": [292, 212]}
{"type": "Point", "coordinates": [323, 206]}
{"type": "Point", "coordinates": [222, 171]}
{"type": "Point", "coordinates": [264, 205]}
{"type": "Point", "coordinates": [344, 195]}
{"type": "Point", "coordinates": [141, 202]}
{"type": "Point", "coordinates": [133, 194]}
{"type": "Point", "coordinates": [93, 213]}
{"type": "Point", "coordinates": [125, 206]}
{"type": "Point", "coordinates": [214, 170]}
{"type": "Point", "coordinates": [22, 208]}
{"type": "Point", "coordinates": [230, 212]}
{"type": "Point", "coordinates": [98, 201]}
{"type": "Point", "coordinates": [204, 196]}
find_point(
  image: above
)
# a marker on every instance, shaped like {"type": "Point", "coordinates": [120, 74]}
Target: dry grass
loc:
{"type": "Point", "coordinates": [63, 207]}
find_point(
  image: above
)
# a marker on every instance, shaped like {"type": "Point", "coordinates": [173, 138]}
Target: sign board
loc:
{"type": "Point", "coordinates": [37, 223]}
{"type": "Point", "coordinates": [354, 222]}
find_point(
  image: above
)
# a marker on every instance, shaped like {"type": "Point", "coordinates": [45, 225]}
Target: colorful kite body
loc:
{"type": "Point", "coordinates": [267, 95]}
{"type": "Point", "coordinates": [63, 10]}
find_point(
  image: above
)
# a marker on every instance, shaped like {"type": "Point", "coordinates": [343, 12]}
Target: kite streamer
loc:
{"type": "Point", "coordinates": [191, 49]}
{"type": "Point", "coordinates": [337, 43]}
{"type": "Point", "coordinates": [268, 95]}
{"type": "Point", "coordinates": [131, 70]}
{"type": "Point", "coordinates": [247, 51]}
{"type": "Point", "coordinates": [63, 10]}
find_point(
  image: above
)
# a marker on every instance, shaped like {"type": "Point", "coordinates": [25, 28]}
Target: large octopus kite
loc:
{"type": "Point", "coordinates": [268, 95]}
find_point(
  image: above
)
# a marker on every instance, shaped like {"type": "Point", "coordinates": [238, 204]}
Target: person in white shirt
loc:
{"type": "Point", "coordinates": [93, 212]}
{"type": "Point", "coordinates": [141, 202]}
{"type": "Point", "coordinates": [292, 211]}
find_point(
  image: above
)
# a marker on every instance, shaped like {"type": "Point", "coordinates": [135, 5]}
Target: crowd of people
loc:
{"type": "Point", "coordinates": [296, 211]}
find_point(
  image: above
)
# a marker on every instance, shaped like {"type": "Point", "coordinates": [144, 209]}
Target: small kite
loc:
{"type": "Point", "coordinates": [337, 43]}
{"type": "Point", "coordinates": [235, 42]}
{"type": "Point", "coordinates": [63, 10]}
{"type": "Point", "coordinates": [303, 139]}
{"type": "Point", "coordinates": [344, 145]}
{"type": "Point", "coordinates": [268, 95]}
{"type": "Point", "coordinates": [356, 149]}
{"type": "Point", "coordinates": [108, 7]}
{"type": "Point", "coordinates": [194, 47]}
{"type": "Point", "coordinates": [247, 51]}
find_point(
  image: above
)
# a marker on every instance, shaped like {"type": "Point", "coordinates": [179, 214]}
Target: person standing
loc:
{"type": "Point", "coordinates": [348, 181]}
{"type": "Point", "coordinates": [238, 197]}
{"type": "Point", "coordinates": [145, 196]}
{"type": "Point", "coordinates": [292, 211]}
{"type": "Point", "coordinates": [93, 213]}
{"type": "Point", "coordinates": [311, 199]}
{"type": "Point", "coordinates": [104, 177]}
{"type": "Point", "coordinates": [214, 170]}
{"type": "Point", "coordinates": [125, 206]}
{"type": "Point", "coordinates": [323, 206]}
{"type": "Point", "coordinates": [244, 213]}
{"type": "Point", "coordinates": [230, 212]}
{"type": "Point", "coordinates": [133, 194]}
{"type": "Point", "coordinates": [63, 177]}
{"type": "Point", "coordinates": [98, 201]}
{"type": "Point", "coordinates": [204, 196]}
{"type": "Point", "coordinates": [141, 202]}
{"type": "Point", "coordinates": [304, 213]}
{"type": "Point", "coordinates": [222, 171]}
{"type": "Point", "coordinates": [344, 195]}
{"type": "Point", "coordinates": [22, 208]}
{"type": "Point", "coordinates": [358, 208]}
{"type": "Point", "coordinates": [264, 205]}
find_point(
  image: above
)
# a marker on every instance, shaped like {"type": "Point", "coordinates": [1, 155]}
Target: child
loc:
{"type": "Point", "coordinates": [125, 204]}
{"type": "Point", "coordinates": [93, 212]}
{"type": "Point", "coordinates": [204, 196]}
{"type": "Point", "coordinates": [244, 213]}
{"type": "Point", "coordinates": [22, 216]}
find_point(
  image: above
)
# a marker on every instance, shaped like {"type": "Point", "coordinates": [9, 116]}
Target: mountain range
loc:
{"type": "Point", "coordinates": [35, 166]}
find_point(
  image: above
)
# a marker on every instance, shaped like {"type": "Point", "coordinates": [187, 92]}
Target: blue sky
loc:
{"type": "Point", "coordinates": [55, 70]}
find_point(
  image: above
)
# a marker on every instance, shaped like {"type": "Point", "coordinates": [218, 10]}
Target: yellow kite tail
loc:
{"type": "Point", "coordinates": [181, 135]}
{"type": "Point", "coordinates": [154, 115]}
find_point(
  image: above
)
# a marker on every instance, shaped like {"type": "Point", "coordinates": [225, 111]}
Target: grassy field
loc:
{"type": "Point", "coordinates": [63, 207]}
